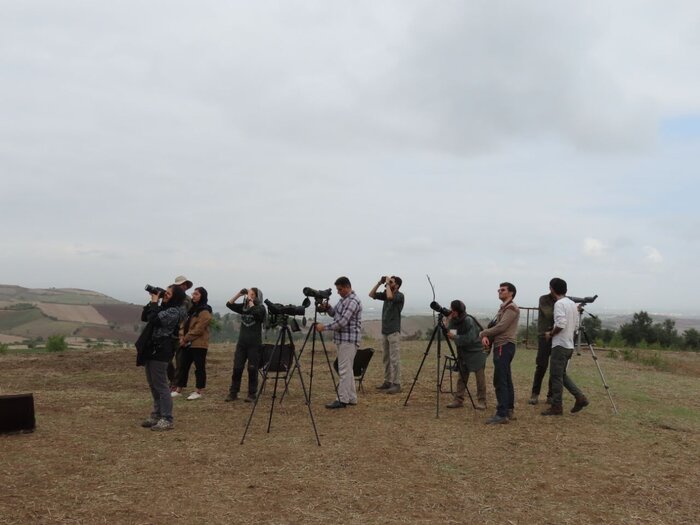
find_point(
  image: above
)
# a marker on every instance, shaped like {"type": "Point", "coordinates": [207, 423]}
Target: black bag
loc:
{"type": "Point", "coordinates": [144, 345]}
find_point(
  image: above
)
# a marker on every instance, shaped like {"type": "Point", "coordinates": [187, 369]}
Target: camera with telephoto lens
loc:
{"type": "Point", "coordinates": [318, 295]}
{"type": "Point", "coordinates": [155, 290]}
{"type": "Point", "coordinates": [440, 309]}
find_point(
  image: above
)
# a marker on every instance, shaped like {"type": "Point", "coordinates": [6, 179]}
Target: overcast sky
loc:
{"type": "Point", "coordinates": [283, 144]}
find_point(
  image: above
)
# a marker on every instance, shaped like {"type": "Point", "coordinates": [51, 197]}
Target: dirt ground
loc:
{"type": "Point", "coordinates": [89, 461]}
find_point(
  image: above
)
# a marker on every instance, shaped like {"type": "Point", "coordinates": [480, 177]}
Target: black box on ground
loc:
{"type": "Point", "coordinates": [17, 413]}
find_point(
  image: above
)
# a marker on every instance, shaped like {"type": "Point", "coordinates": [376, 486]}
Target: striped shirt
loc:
{"type": "Point", "coordinates": [347, 320]}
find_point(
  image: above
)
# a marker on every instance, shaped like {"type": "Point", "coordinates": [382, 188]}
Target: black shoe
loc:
{"type": "Point", "coordinates": [231, 397]}
{"type": "Point", "coordinates": [580, 404]}
{"type": "Point", "coordinates": [336, 404]}
{"type": "Point", "coordinates": [384, 386]}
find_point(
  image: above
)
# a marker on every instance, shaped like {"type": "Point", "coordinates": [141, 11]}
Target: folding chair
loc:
{"type": "Point", "coordinates": [359, 365]}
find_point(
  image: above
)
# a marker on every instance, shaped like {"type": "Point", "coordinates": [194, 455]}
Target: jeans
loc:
{"type": "Point", "coordinates": [157, 377]}
{"type": "Point", "coordinates": [558, 376]}
{"type": "Point", "coordinates": [544, 350]}
{"type": "Point", "coordinates": [198, 356]}
{"type": "Point", "coordinates": [502, 378]}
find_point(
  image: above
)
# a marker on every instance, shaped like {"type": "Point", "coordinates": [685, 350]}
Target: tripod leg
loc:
{"type": "Point", "coordinates": [283, 333]}
{"type": "Point", "coordinates": [425, 355]}
{"type": "Point", "coordinates": [262, 388]}
{"type": "Point", "coordinates": [306, 394]}
{"type": "Point", "coordinates": [330, 368]}
{"type": "Point", "coordinates": [600, 371]}
{"type": "Point", "coordinates": [296, 362]}
{"type": "Point", "coordinates": [461, 373]}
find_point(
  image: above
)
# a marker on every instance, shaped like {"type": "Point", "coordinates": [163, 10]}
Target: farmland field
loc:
{"type": "Point", "coordinates": [89, 461]}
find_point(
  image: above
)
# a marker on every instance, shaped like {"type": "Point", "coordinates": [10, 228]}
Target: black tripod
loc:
{"type": "Point", "coordinates": [312, 333]}
{"type": "Point", "coordinates": [281, 369]}
{"type": "Point", "coordinates": [440, 332]}
{"type": "Point", "coordinates": [582, 330]}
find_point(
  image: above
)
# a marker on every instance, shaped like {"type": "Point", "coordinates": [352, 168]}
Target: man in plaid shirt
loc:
{"type": "Point", "coordinates": [346, 326]}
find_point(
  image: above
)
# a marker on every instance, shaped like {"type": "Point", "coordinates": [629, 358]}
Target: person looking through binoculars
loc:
{"type": "Point", "coordinates": [391, 330]}
{"type": "Point", "coordinates": [346, 327]}
{"type": "Point", "coordinates": [252, 312]}
{"type": "Point", "coordinates": [464, 330]}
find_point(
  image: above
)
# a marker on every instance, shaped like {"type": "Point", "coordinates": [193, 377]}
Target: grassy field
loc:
{"type": "Point", "coordinates": [380, 462]}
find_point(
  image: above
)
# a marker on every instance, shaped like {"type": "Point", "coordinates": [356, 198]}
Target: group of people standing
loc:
{"type": "Point", "coordinates": [178, 327]}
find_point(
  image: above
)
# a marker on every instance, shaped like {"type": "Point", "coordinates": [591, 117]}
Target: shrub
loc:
{"type": "Point", "coordinates": [56, 343]}
{"type": "Point", "coordinates": [4, 348]}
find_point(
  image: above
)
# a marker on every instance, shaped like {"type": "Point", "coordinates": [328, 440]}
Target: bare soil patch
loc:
{"type": "Point", "coordinates": [71, 312]}
{"type": "Point", "coordinates": [380, 462]}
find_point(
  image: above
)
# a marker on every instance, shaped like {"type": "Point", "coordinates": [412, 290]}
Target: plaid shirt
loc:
{"type": "Point", "coordinates": [347, 320]}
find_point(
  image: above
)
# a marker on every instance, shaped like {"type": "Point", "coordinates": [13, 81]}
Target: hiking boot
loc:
{"type": "Point", "coordinates": [480, 405]}
{"type": "Point", "coordinates": [148, 423]}
{"type": "Point", "coordinates": [511, 415]}
{"type": "Point", "coordinates": [553, 410]}
{"type": "Point", "coordinates": [163, 424]}
{"type": "Point", "coordinates": [194, 395]}
{"type": "Point", "coordinates": [497, 420]}
{"type": "Point", "coordinates": [393, 389]}
{"type": "Point", "coordinates": [533, 400]}
{"type": "Point", "coordinates": [231, 397]}
{"type": "Point", "coordinates": [384, 386]}
{"type": "Point", "coordinates": [456, 403]}
{"type": "Point", "coordinates": [580, 404]}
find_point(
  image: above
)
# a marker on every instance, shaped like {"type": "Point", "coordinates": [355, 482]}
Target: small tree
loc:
{"type": "Point", "coordinates": [4, 348]}
{"type": "Point", "coordinates": [691, 339]}
{"type": "Point", "coordinates": [56, 343]}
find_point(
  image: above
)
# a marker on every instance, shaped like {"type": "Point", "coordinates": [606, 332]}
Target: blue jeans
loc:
{"type": "Point", "coordinates": [502, 378]}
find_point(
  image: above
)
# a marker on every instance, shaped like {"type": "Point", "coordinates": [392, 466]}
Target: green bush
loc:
{"type": "Point", "coordinates": [4, 348]}
{"type": "Point", "coordinates": [56, 343]}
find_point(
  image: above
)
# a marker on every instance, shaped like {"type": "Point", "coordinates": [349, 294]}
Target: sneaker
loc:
{"type": "Point", "coordinates": [163, 424]}
{"type": "Point", "coordinates": [148, 423]}
{"type": "Point", "coordinates": [194, 395]}
{"type": "Point", "coordinates": [580, 404]}
{"type": "Point", "coordinates": [175, 393]}
{"type": "Point", "coordinates": [336, 404]}
{"type": "Point", "coordinates": [394, 389]}
{"type": "Point", "coordinates": [231, 397]}
{"type": "Point", "coordinates": [480, 405]}
{"type": "Point", "coordinates": [533, 400]}
{"type": "Point", "coordinates": [384, 386]}
{"type": "Point", "coordinates": [497, 420]}
{"type": "Point", "coordinates": [456, 403]}
{"type": "Point", "coordinates": [250, 398]}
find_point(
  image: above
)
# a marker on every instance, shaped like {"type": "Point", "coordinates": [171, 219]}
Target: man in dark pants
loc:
{"type": "Point", "coordinates": [501, 334]}
{"type": "Point", "coordinates": [252, 313]}
{"type": "Point", "coordinates": [545, 322]}
{"type": "Point", "coordinates": [562, 335]}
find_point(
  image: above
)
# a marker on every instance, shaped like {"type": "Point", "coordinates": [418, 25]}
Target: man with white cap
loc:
{"type": "Point", "coordinates": [184, 283]}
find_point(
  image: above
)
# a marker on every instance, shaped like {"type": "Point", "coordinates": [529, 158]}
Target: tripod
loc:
{"type": "Point", "coordinates": [276, 365]}
{"type": "Point", "coordinates": [439, 332]}
{"type": "Point", "coordinates": [582, 330]}
{"type": "Point", "coordinates": [312, 333]}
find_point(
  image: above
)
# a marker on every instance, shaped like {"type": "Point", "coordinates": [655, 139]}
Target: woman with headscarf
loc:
{"type": "Point", "coordinates": [163, 324]}
{"type": "Point", "coordinates": [249, 344]}
{"type": "Point", "coordinates": [470, 355]}
{"type": "Point", "coordinates": [194, 342]}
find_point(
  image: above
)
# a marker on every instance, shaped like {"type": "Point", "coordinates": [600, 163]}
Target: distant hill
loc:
{"type": "Point", "coordinates": [30, 314]}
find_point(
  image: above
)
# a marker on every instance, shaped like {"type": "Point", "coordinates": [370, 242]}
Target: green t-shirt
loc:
{"type": "Point", "coordinates": [545, 314]}
{"type": "Point", "coordinates": [391, 312]}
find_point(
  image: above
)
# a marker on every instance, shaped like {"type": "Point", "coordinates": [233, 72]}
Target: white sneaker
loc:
{"type": "Point", "coordinates": [194, 395]}
{"type": "Point", "coordinates": [175, 393]}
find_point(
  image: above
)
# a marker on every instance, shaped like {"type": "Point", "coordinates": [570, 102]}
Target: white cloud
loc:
{"type": "Point", "coordinates": [652, 255]}
{"type": "Point", "coordinates": [593, 247]}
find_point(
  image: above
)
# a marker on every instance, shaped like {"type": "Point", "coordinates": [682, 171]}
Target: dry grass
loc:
{"type": "Point", "coordinates": [380, 462]}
